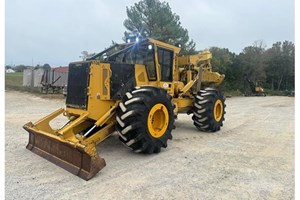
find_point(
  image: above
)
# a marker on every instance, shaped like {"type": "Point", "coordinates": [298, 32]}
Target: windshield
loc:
{"type": "Point", "coordinates": [135, 54]}
{"type": "Point", "coordinates": [140, 53]}
{"type": "Point", "coordinates": [131, 53]}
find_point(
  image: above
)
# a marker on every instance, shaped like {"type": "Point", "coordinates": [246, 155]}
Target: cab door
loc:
{"type": "Point", "coordinates": [165, 63]}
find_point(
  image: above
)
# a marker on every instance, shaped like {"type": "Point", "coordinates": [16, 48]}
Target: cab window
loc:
{"type": "Point", "coordinates": [144, 55]}
{"type": "Point", "coordinates": [165, 59]}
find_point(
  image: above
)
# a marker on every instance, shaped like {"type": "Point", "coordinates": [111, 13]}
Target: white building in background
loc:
{"type": "Point", "coordinates": [10, 71]}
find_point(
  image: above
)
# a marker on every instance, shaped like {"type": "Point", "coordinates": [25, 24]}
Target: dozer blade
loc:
{"type": "Point", "coordinates": [64, 154]}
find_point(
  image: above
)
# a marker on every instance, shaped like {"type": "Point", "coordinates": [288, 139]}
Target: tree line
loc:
{"type": "Point", "coordinates": [274, 67]}
{"type": "Point", "coordinates": [21, 68]}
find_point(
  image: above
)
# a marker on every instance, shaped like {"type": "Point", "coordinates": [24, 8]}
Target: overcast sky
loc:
{"type": "Point", "coordinates": [57, 31]}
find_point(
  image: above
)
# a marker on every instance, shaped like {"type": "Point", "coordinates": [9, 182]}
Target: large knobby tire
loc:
{"type": "Point", "coordinates": [209, 110]}
{"type": "Point", "coordinates": [145, 119]}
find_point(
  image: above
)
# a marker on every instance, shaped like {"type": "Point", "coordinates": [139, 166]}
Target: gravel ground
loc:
{"type": "Point", "coordinates": [252, 157]}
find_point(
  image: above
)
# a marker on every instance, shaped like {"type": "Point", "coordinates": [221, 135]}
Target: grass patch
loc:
{"type": "Point", "coordinates": [279, 92]}
{"type": "Point", "coordinates": [14, 79]}
{"type": "Point", "coordinates": [233, 93]}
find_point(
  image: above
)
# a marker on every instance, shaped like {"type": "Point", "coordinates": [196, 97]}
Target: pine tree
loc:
{"type": "Point", "coordinates": [155, 19]}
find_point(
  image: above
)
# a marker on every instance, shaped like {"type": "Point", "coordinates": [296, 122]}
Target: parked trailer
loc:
{"type": "Point", "coordinates": [48, 80]}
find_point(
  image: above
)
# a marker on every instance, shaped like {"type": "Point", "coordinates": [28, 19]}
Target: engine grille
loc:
{"type": "Point", "coordinates": [78, 82]}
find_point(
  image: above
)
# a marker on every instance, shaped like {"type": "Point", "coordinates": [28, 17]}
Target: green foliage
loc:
{"type": "Point", "coordinates": [20, 68]}
{"type": "Point", "coordinates": [253, 61]}
{"type": "Point", "coordinates": [226, 62]}
{"type": "Point", "coordinates": [280, 66]}
{"type": "Point", "coordinates": [8, 67]}
{"type": "Point", "coordinates": [155, 19]}
{"type": "Point", "coordinates": [273, 67]}
{"type": "Point", "coordinates": [222, 59]}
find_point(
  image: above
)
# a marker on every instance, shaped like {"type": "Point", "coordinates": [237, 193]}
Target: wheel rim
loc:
{"type": "Point", "coordinates": [158, 120]}
{"type": "Point", "coordinates": [218, 110]}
